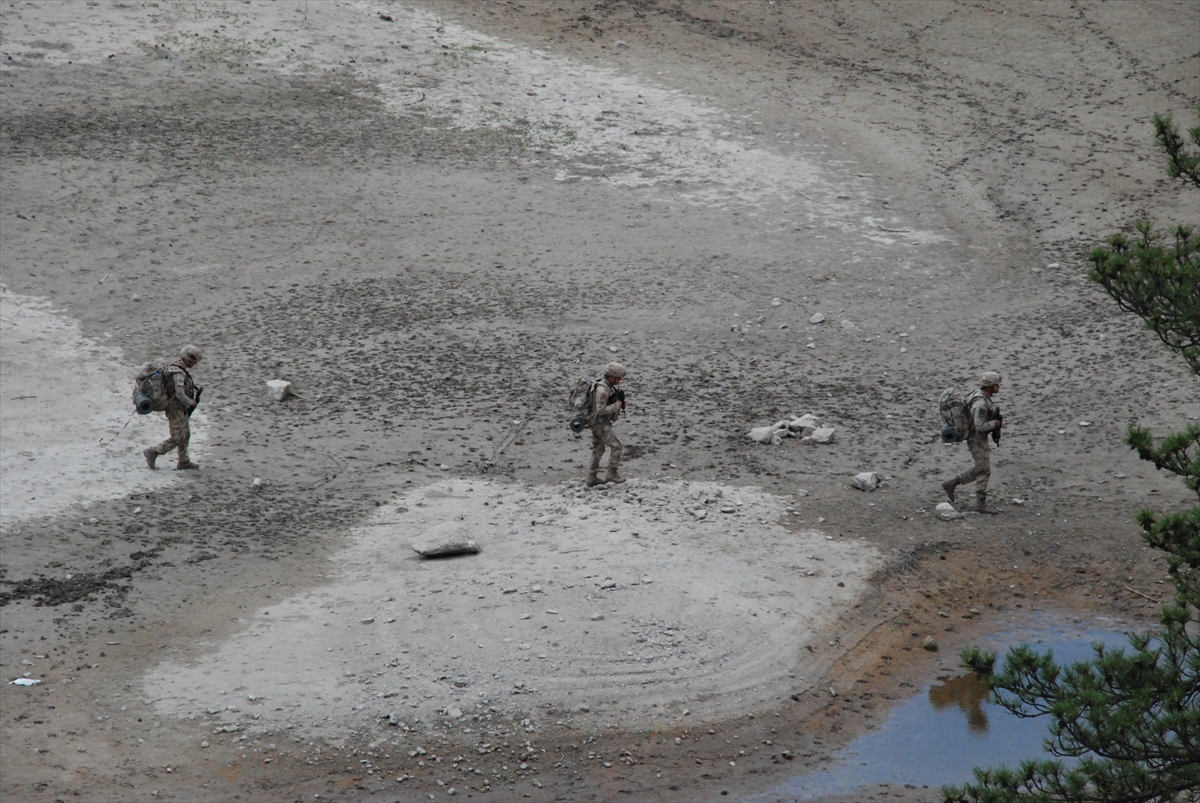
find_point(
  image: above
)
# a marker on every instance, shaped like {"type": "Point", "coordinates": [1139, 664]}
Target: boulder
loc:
{"type": "Point", "coordinates": [946, 512]}
{"type": "Point", "coordinates": [824, 435]}
{"type": "Point", "coordinates": [445, 539]}
{"type": "Point", "coordinates": [804, 426]}
{"type": "Point", "coordinates": [772, 433]}
{"type": "Point", "coordinates": [279, 389]}
{"type": "Point", "coordinates": [865, 481]}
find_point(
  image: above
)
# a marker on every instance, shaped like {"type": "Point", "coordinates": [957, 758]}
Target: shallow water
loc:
{"type": "Point", "coordinates": [939, 735]}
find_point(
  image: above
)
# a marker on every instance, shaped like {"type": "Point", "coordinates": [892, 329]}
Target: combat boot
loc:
{"type": "Point", "coordinates": [614, 477]}
{"type": "Point", "coordinates": [150, 456]}
{"type": "Point", "coordinates": [187, 465]}
{"type": "Point", "coordinates": [981, 505]}
{"type": "Point", "coordinates": [593, 480]}
{"type": "Point", "coordinates": [948, 486]}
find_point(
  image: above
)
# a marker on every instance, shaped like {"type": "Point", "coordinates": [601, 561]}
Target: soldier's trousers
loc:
{"type": "Point", "coordinates": [181, 432]}
{"type": "Point", "coordinates": [603, 436]}
{"type": "Point", "coordinates": [981, 472]}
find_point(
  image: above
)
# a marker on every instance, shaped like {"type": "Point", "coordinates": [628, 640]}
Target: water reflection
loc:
{"type": "Point", "coordinates": [965, 692]}
{"type": "Point", "coordinates": [937, 737]}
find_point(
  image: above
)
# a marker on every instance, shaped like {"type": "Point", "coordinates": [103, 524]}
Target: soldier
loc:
{"type": "Point", "coordinates": [186, 397]}
{"type": "Point", "coordinates": [607, 403]}
{"type": "Point", "coordinates": [985, 418]}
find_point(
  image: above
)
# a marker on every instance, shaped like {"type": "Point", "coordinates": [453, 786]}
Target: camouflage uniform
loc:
{"type": "Point", "coordinates": [177, 414]}
{"type": "Point", "coordinates": [184, 392]}
{"type": "Point", "coordinates": [983, 411]}
{"type": "Point", "coordinates": [604, 415]}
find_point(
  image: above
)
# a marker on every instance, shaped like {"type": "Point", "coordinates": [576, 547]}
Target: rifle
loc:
{"type": "Point", "coordinates": [999, 419]}
{"type": "Point", "coordinates": [192, 409]}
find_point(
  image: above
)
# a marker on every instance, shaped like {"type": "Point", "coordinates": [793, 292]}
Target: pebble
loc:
{"type": "Point", "coordinates": [609, 584]}
{"type": "Point", "coordinates": [370, 620]}
{"type": "Point", "coordinates": [203, 745]}
{"type": "Point", "coordinates": [818, 318]}
{"type": "Point", "coordinates": [597, 617]}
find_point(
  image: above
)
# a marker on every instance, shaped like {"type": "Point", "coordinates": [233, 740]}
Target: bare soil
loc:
{"type": "Point", "coordinates": [432, 219]}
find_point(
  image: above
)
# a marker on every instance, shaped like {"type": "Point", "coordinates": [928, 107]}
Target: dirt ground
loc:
{"type": "Point", "coordinates": [432, 217]}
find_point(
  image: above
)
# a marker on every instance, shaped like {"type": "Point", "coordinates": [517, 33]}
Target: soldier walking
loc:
{"type": "Point", "coordinates": [608, 402]}
{"type": "Point", "coordinates": [985, 419]}
{"type": "Point", "coordinates": [179, 411]}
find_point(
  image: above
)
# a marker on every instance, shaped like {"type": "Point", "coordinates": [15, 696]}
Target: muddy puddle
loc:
{"type": "Point", "coordinates": [940, 734]}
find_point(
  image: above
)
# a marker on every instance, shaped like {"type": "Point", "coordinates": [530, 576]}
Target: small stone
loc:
{"type": "Point", "coordinates": [203, 745]}
{"type": "Point", "coordinates": [370, 620]}
{"type": "Point", "coordinates": [445, 539]}
{"type": "Point", "coordinates": [609, 584]}
{"type": "Point", "coordinates": [728, 509]}
{"type": "Point", "coordinates": [597, 617]}
{"type": "Point", "coordinates": [865, 481]}
{"type": "Point", "coordinates": [848, 325]}
{"type": "Point", "coordinates": [946, 512]}
{"type": "Point", "coordinates": [585, 708]}
{"type": "Point", "coordinates": [825, 435]}
{"type": "Point", "coordinates": [801, 492]}
{"type": "Point", "coordinates": [818, 318]}
{"type": "Point", "coordinates": [279, 389]}
{"type": "Point", "coordinates": [775, 302]}
{"type": "Point", "coordinates": [930, 644]}
{"type": "Point", "coordinates": [453, 711]}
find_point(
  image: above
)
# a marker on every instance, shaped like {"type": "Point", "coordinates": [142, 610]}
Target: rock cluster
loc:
{"type": "Point", "coordinates": [806, 427]}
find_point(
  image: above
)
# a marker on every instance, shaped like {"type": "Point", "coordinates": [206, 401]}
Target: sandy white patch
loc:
{"type": "Point", "coordinates": [584, 608]}
{"type": "Point", "coordinates": [65, 399]}
{"type": "Point", "coordinates": [591, 123]}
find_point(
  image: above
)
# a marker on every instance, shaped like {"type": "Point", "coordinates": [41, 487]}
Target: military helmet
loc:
{"type": "Point", "coordinates": [190, 353]}
{"type": "Point", "coordinates": [615, 369]}
{"type": "Point", "coordinates": [988, 379]}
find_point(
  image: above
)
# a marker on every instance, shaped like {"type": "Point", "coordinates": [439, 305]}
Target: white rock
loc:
{"type": "Point", "coordinates": [447, 538]}
{"type": "Point", "coordinates": [848, 325]}
{"type": "Point", "coordinates": [768, 433]}
{"type": "Point", "coordinates": [279, 389]}
{"type": "Point", "coordinates": [946, 512]}
{"type": "Point", "coordinates": [825, 435]}
{"type": "Point", "coordinates": [865, 481]}
{"type": "Point", "coordinates": [775, 302]}
{"type": "Point", "coordinates": [806, 420]}
{"type": "Point", "coordinates": [453, 711]}
{"type": "Point", "coordinates": [816, 318]}
{"type": "Point", "coordinates": [1085, 423]}
{"type": "Point", "coordinates": [801, 492]}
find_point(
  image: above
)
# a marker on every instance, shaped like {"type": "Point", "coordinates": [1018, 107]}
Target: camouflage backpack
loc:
{"type": "Point", "coordinates": [579, 403]}
{"type": "Point", "coordinates": [153, 388]}
{"type": "Point", "coordinates": [955, 409]}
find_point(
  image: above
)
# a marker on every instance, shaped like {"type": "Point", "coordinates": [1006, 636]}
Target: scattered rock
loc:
{"type": "Point", "coordinates": [824, 435]}
{"type": "Point", "coordinates": [946, 511]}
{"type": "Point", "coordinates": [818, 318]}
{"type": "Point", "coordinates": [370, 620]}
{"type": "Point", "coordinates": [279, 389]}
{"type": "Point", "coordinates": [930, 644]}
{"type": "Point", "coordinates": [865, 481]}
{"type": "Point", "coordinates": [443, 540]}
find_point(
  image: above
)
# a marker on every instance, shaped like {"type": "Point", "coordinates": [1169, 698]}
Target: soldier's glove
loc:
{"type": "Point", "coordinates": [999, 419]}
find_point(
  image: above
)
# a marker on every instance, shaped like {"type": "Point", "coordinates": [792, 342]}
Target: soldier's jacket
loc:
{"type": "Point", "coordinates": [185, 388]}
{"type": "Point", "coordinates": [983, 414]}
{"type": "Point", "coordinates": [602, 411]}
